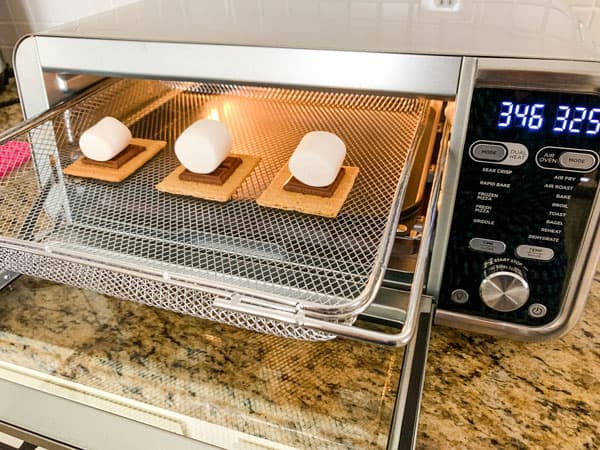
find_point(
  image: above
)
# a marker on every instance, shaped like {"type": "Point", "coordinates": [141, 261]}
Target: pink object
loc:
{"type": "Point", "coordinates": [13, 155]}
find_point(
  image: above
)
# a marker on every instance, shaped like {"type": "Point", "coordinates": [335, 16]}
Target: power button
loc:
{"type": "Point", "coordinates": [537, 310]}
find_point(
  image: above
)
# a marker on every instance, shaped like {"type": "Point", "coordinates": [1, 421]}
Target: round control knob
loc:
{"type": "Point", "coordinates": [504, 288]}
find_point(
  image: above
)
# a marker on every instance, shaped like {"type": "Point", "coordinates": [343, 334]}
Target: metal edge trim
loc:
{"type": "Point", "coordinates": [7, 277]}
{"type": "Point", "coordinates": [87, 425]}
{"type": "Point", "coordinates": [43, 116]}
{"type": "Point", "coordinates": [31, 438]}
{"type": "Point", "coordinates": [415, 74]}
{"type": "Point", "coordinates": [552, 75]}
{"type": "Point", "coordinates": [29, 77]}
{"type": "Point", "coordinates": [451, 170]}
{"type": "Point", "coordinates": [411, 383]}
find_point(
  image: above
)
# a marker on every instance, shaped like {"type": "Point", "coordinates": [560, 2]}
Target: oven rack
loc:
{"type": "Point", "coordinates": [238, 262]}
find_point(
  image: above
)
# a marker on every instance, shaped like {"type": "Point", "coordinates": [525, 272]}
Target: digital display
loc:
{"type": "Point", "coordinates": [560, 119]}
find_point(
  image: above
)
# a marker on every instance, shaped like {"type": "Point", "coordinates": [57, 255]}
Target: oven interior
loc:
{"type": "Point", "coordinates": [325, 265]}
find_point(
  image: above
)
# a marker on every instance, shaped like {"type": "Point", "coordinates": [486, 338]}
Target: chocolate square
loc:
{"type": "Point", "coordinates": [219, 176]}
{"type": "Point", "coordinates": [130, 152]}
{"type": "Point", "coordinates": [294, 185]}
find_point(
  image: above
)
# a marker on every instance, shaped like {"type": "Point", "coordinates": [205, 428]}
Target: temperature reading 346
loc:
{"type": "Point", "coordinates": [533, 117]}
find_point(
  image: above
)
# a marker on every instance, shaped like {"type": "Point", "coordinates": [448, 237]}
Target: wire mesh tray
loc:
{"type": "Point", "coordinates": [331, 268]}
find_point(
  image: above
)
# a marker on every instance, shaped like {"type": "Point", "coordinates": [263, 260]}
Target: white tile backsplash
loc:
{"type": "Point", "coordinates": [584, 13]}
{"type": "Point", "coordinates": [585, 3]}
{"type": "Point", "coordinates": [19, 10]}
{"type": "Point", "coordinates": [6, 53]}
{"type": "Point", "coordinates": [529, 17]}
{"type": "Point", "coordinates": [4, 11]}
{"type": "Point", "coordinates": [58, 11]}
{"type": "Point", "coordinates": [19, 17]}
{"type": "Point", "coordinates": [595, 25]}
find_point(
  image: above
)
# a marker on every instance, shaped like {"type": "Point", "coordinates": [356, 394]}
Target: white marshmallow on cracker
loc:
{"type": "Point", "coordinates": [318, 158]}
{"type": "Point", "coordinates": [105, 140]}
{"type": "Point", "coordinates": [203, 146]}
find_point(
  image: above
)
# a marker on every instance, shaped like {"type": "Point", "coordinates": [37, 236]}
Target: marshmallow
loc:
{"type": "Point", "coordinates": [105, 140]}
{"type": "Point", "coordinates": [318, 158]}
{"type": "Point", "coordinates": [203, 146]}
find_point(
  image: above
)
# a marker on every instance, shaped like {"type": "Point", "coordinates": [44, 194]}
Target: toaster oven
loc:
{"type": "Point", "coordinates": [476, 138]}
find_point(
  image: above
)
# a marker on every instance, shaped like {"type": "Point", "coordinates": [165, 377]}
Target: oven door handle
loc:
{"type": "Point", "coordinates": [246, 305]}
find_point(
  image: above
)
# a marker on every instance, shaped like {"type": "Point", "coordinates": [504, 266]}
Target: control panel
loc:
{"type": "Point", "coordinates": [527, 183]}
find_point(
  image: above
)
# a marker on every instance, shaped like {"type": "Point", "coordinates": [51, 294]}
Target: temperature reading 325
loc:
{"type": "Point", "coordinates": [568, 119]}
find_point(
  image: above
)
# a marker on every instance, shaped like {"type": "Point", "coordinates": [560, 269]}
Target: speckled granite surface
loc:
{"type": "Point", "coordinates": [9, 115]}
{"type": "Point", "coordinates": [335, 394]}
{"type": "Point", "coordinates": [480, 392]}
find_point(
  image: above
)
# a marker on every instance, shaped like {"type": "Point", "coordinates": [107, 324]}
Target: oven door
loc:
{"type": "Point", "coordinates": [84, 370]}
{"type": "Point", "coordinates": [80, 370]}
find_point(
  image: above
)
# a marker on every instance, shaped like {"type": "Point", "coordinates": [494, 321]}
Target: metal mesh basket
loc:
{"type": "Point", "coordinates": [107, 237]}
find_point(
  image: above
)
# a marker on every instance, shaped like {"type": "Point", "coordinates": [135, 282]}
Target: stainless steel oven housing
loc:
{"type": "Point", "coordinates": [394, 60]}
{"type": "Point", "coordinates": [443, 55]}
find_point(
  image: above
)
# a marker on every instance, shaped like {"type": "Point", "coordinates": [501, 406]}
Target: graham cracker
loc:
{"type": "Point", "coordinates": [83, 170]}
{"type": "Point", "coordinates": [220, 193]}
{"type": "Point", "coordinates": [275, 196]}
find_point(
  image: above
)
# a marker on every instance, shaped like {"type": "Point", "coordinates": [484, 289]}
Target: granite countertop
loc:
{"type": "Point", "coordinates": [9, 115]}
{"type": "Point", "coordinates": [480, 392]}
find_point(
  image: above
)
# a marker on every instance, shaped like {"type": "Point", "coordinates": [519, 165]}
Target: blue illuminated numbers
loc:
{"type": "Point", "coordinates": [536, 118]}
{"type": "Point", "coordinates": [572, 120]}
{"type": "Point", "coordinates": [578, 117]}
{"type": "Point", "coordinates": [562, 119]}
{"type": "Point", "coordinates": [506, 111]}
{"type": "Point", "coordinates": [593, 126]}
{"type": "Point", "coordinates": [524, 115]}
{"type": "Point", "coordinates": [568, 119]}
{"type": "Point", "coordinates": [521, 112]}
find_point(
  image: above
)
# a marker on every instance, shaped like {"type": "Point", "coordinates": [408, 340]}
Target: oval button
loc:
{"type": "Point", "coordinates": [487, 246]}
{"type": "Point", "coordinates": [504, 153]}
{"type": "Point", "coordinates": [488, 151]}
{"type": "Point", "coordinates": [534, 252]}
{"type": "Point", "coordinates": [517, 154]}
{"type": "Point", "coordinates": [577, 161]}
